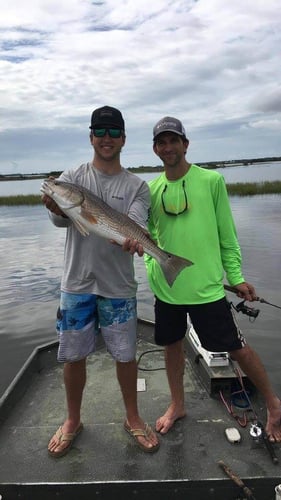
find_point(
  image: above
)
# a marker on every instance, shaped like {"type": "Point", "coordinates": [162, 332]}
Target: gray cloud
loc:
{"type": "Point", "coordinates": [215, 65]}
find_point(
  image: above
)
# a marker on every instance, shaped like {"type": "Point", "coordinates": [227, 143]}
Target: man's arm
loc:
{"type": "Point", "coordinates": [229, 245]}
{"type": "Point", "coordinates": [230, 248]}
{"type": "Point", "coordinates": [138, 212]}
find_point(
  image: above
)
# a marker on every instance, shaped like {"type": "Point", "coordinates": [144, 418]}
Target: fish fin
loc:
{"type": "Point", "coordinates": [172, 266]}
{"type": "Point", "coordinates": [80, 227]}
{"type": "Point", "coordinates": [89, 216]}
{"type": "Point", "coordinates": [79, 222]}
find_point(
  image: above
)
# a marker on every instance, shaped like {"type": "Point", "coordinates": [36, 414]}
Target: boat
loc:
{"type": "Point", "coordinates": [200, 458]}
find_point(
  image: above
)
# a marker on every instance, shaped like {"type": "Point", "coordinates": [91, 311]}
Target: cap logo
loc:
{"type": "Point", "coordinates": [106, 113]}
{"type": "Point", "coordinates": [166, 124]}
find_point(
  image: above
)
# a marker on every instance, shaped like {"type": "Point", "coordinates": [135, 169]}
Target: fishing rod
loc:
{"type": "Point", "coordinates": [257, 431]}
{"type": "Point", "coordinates": [236, 479]}
{"type": "Point", "coordinates": [259, 299]}
{"type": "Point", "coordinates": [259, 436]}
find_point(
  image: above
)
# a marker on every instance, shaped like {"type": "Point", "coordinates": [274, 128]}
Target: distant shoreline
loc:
{"type": "Point", "coordinates": [147, 169]}
{"type": "Point", "coordinates": [237, 189]}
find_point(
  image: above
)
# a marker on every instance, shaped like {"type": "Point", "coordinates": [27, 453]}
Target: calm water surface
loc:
{"type": "Point", "coordinates": [31, 256]}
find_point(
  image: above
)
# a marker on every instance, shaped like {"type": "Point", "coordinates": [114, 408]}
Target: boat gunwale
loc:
{"type": "Point", "coordinates": [217, 488]}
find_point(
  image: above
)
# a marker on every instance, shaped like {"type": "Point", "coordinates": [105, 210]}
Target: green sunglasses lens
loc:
{"type": "Point", "coordinates": [114, 133]}
{"type": "Point", "coordinates": [99, 132]}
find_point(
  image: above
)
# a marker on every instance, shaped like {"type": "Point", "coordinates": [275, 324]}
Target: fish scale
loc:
{"type": "Point", "coordinates": [90, 214]}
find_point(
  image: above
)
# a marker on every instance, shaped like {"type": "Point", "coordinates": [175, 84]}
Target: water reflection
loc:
{"type": "Point", "coordinates": [31, 255]}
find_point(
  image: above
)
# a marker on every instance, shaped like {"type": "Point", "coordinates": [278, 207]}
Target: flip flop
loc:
{"type": "Point", "coordinates": [146, 432]}
{"type": "Point", "coordinates": [61, 437]}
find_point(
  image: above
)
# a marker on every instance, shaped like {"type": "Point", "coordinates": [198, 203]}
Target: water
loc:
{"type": "Point", "coordinates": [31, 256]}
{"type": "Point", "coordinates": [251, 173]}
{"type": "Point", "coordinates": [12, 188]}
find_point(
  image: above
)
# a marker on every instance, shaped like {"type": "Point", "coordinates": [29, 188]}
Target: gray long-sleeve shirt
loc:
{"type": "Point", "coordinates": [93, 264]}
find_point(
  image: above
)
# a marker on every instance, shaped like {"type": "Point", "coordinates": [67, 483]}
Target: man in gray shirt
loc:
{"type": "Point", "coordinates": [98, 287]}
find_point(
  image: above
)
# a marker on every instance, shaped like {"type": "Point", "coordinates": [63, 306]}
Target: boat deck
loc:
{"type": "Point", "coordinates": [105, 462]}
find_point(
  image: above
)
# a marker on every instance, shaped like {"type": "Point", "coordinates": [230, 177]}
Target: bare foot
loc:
{"type": "Point", "coordinates": [273, 425]}
{"type": "Point", "coordinates": [62, 440]}
{"type": "Point", "coordinates": [166, 422]}
{"type": "Point", "coordinates": [143, 434]}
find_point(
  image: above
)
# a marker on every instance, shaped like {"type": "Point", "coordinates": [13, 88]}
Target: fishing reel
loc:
{"type": "Point", "coordinates": [245, 309]}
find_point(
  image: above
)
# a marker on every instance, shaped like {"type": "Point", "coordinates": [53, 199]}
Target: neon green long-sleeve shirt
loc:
{"type": "Point", "coordinates": [205, 234]}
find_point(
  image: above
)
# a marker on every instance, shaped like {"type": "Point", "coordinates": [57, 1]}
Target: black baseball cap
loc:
{"type": "Point", "coordinates": [168, 124]}
{"type": "Point", "coordinates": [107, 116]}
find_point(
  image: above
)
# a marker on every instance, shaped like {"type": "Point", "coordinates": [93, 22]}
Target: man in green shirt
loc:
{"type": "Point", "coordinates": [191, 217]}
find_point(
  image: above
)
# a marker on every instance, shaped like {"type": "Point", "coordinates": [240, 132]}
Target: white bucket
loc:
{"type": "Point", "coordinates": [278, 492]}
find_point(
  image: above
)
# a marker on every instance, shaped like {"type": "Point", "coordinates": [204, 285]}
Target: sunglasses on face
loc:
{"type": "Point", "coordinates": [114, 133]}
{"type": "Point", "coordinates": [185, 208]}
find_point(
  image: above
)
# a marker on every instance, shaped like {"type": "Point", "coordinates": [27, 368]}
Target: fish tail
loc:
{"type": "Point", "coordinates": [172, 266]}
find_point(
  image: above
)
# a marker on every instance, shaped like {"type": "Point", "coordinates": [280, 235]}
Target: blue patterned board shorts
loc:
{"type": "Point", "coordinates": [82, 316]}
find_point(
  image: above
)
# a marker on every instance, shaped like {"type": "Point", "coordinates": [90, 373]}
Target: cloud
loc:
{"type": "Point", "coordinates": [215, 65]}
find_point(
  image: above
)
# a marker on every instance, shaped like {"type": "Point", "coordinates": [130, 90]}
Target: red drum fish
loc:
{"type": "Point", "coordinates": [89, 213]}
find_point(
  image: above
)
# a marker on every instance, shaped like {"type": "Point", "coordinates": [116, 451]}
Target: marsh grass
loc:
{"type": "Point", "coordinates": [253, 188]}
{"type": "Point", "coordinates": [237, 189]}
{"type": "Point", "coordinates": [21, 199]}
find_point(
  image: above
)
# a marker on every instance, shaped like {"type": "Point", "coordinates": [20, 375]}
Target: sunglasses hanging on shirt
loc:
{"type": "Point", "coordinates": [169, 212]}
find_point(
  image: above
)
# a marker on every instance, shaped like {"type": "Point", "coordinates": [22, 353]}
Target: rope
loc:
{"type": "Point", "coordinates": [243, 419]}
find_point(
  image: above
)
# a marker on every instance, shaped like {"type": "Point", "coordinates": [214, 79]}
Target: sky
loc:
{"type": "Point", "coordinates": [214, 64]}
